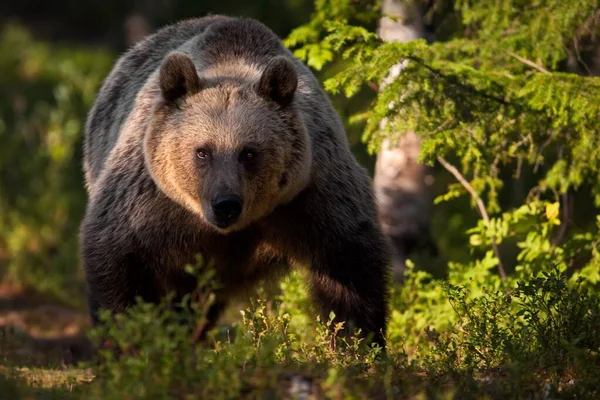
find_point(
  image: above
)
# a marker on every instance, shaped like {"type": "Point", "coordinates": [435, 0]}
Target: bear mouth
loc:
{"type": "Point", "coordinates": [224, 224]}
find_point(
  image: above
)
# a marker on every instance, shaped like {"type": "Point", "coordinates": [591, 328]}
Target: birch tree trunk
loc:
{"type": "Point", "coordinates": [400, 180]}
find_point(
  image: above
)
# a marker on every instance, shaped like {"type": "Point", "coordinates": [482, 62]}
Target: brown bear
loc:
{"type": "Point", "coordinates": [209, 137]}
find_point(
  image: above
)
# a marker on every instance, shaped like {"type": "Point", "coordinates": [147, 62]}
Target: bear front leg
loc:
{"type": "Point", "coordinates": [350, 279]}
{"type": "Point", "coordinates": [111, 286]}
{"type": "Point", "coordinates": [348, 258]}
{"type": "Point", "coordinates": [114, 266]}
{"type": "Point", "coordinates": [114, 282]}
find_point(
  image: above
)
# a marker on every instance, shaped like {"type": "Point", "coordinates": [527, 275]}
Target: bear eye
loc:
{"type": "Point", "coordinates": [201, 153]}
{"type": "Point", "coordinates": [247, 155]}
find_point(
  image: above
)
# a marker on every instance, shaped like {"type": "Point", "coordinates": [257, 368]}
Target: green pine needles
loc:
{"type": "Point", "coordinates": [496, 101]}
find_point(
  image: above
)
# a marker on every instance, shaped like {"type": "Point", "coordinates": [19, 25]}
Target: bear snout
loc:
{"type": "Point", "coordinates": [226, 209]}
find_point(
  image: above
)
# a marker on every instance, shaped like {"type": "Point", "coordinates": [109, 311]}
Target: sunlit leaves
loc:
{"type": "Point", "coordinates": [491, 98]}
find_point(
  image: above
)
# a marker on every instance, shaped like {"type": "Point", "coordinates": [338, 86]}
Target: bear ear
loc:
{"type": "Point", "coordinates": [278, 81]}
{"type": "Point", "coordinates": [178, 77]}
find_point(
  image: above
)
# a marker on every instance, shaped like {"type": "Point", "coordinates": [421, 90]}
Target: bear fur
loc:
{"type": "Point", "coordinates": [217, 108]}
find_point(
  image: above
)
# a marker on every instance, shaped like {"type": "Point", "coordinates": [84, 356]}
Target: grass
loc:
{"type": "Point", "coordinates": [537, 340]}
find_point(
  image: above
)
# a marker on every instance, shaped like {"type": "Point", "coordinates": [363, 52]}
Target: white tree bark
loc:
{"type": "Point", "coordinates": [400, 180]}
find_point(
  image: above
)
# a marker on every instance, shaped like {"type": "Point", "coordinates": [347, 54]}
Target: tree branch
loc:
{"type": "Point", "coordinates": [528, 62]}
{"type": "Point", "coordinates": [480, 205]}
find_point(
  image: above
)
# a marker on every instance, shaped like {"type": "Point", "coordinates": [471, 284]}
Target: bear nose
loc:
{"type": "Point", "coordinates": [227, 209]}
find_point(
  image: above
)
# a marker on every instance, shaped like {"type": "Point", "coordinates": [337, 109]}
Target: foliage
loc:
{"type": "Point", "coordinates": [539, 340]}
{"type": "Point", "coordinates": [47, 93]}
{"type": "Point", "coordinates": [157, 359]}
{"type": "Point", "coordinates": [541, 334]}
{"type": "Point", "coordinates": [494, 98]}
{"type": "Point", "coordinates": [496, 102]}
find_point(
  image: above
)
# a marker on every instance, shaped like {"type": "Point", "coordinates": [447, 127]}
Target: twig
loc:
{"type": "Point", "coordinates": [528, 62]}
{"type": "Point", "coordinates": [517, 174]}
{"type": "Point", "coordinates": [538, 162]}
{"type": "Point", "coordinates": [578, 56]}
{"type": "Point", "coordinates": [480, 205]}
{"type": "Point", "coordinates": [373, 86]}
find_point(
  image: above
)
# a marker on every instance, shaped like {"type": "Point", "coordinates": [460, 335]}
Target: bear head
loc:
{"type": "Point", "coordinates": [230, 145]}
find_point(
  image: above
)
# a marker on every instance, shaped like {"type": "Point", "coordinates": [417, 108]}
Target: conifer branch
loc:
{"type": "Point", "coordinates": [480, 205]}
{"type": "Point", "coordinates": [453, 80]}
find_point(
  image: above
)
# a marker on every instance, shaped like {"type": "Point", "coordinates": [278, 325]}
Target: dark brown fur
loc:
{"type": "Point", "coordinates": [306, 200]}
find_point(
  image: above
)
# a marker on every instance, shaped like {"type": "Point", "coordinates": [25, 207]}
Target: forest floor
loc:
{"type": "Point", "coordinates": [40, 342]}
{"type": "Point", "coordinates": [45, 354]}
